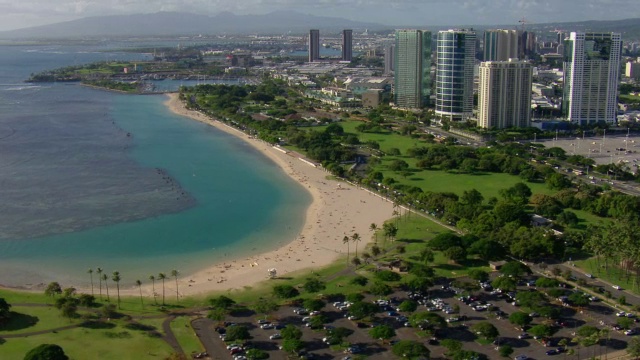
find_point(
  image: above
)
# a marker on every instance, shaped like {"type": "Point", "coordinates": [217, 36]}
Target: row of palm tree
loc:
{"type": "Point", "coordinates": [103, 277]}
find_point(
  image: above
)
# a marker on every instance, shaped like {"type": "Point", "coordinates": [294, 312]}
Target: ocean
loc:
{"type": "Point", "coordinates": [91, 178]}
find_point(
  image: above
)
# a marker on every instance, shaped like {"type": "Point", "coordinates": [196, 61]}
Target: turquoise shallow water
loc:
{"type": "Point", "coordinates": [243, 204]}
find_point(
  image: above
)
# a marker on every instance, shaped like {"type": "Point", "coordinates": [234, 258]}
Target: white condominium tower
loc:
{"type": "Point", "coordinates": [591, 72]}
{"type": "Point", "coordinates": [454, 74]}
{"type": "Point", "coordinates": [412, 80]}
{"type": "Point", "coordinates": [504, 94]}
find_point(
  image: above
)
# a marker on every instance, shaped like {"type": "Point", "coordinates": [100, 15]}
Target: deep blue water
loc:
{"type": "Point", "coordinates": [91, 178]}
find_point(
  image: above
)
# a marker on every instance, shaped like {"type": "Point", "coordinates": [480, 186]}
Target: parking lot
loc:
{"type": "Point", "coordinates": [461, 311]}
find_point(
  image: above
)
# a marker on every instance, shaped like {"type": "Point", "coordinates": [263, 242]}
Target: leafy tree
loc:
{"type": "Point", "coordinates": [557, 181]}
{"type": "Point", "coordinates": [579, 299]}
{"type": "Point", "coordinates": [221, 302]}
{"type": "Point", "coordinates": [53, 289]}
{"type": "Point", "coordinates": [355, 297]}
{"type": "Point", "coordinates": [485, 330]}
{"type": "Point", "coordinates": [541, 330]}
{"type": "Point", "coordinates": [477, 274]}
{"type": "Point", "coordinates": [86, 300]}
{"type": "Point", "coordinates": [427, 320]}
{"type": "Point", "coordinates": [409, 349]}
{"type": "Point", "coordinates": [625, 322]}
{"type": "Point", "coordinates": [291, 332]}
{"type": "Point", "coordinates": [387, 275]}
{"type": "Point", "coordinates": [545, 282]}
{"type": "Point", "coordinates": [313, 304]}
{"type": "Point", "coordinates": [360, 280]}
{"type": "Point", "coordinates": [456, 253]}
{"type": "Point", "coordinates": [519, 318]}
{"type": "Point", "coordinates": [46, 352]}
{"type": "Point", "coordinates": [487, 249]}
{"type": "Point", "coordinates": [382, 332]}
{"type": "Point", "coordinates": [5, 312]}
{"type": "Point", "coordinates": [586, 331]}
{"type": "Point", "coordinates": [452, 346]}
{"type": "Point", "coordinates": [265, 306]}
{"type": "Point", "coordinates": [515, 269]}
{"type": "Point", "coordinates": [237, 332]}
{"type": "Point", "coordinates": [531, 299]}
{"type": "Point", "coordinates": [504, 283]}
{"type": "Point", "coordinates": [445, 241]}
{"type": "Point", "coordinates": [313, 285]}
{"type": "Point", "coordinates": [518, 193]}
{"type": "Point", "coordinates": [292, 345]}
{"type": "Point", "coordinates": [380, 288]}
{"type": "Point", "coordinates": [363, 309]}
{"type": "Point", "coordinates": [257, 354]}
{"type": "Point", "coordinates": [285, 291]}
{"type": "Point", "coordinates": [318, 321]}
{"type": "Point", "coordinates": [505, 351]}
{"type": "Point", "coordinates": [398, 165]}
{"type": "Point", "coordinates": [408, 306]}
{"type": "Point", "coordinates": [217, 314]}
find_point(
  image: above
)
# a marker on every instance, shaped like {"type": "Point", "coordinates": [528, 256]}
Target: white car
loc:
{"type": "Point", "coordinates": [621, 314]}
{"type": "Point", "coordinates": [617, 287]}
{"type": "Point", "coordinates": [521, 357]}
{"type": "Point", "coordinates": [275, 336]}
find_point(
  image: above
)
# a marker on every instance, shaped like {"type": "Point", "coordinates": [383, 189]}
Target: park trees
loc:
{"type": "Point", "coordinates": [116, 279]}
{"type": "Point", "coordinates": [175, 274]}
{"type": "Point", "coordinates": [314, 285]}
{"type": "Point", "coordinates": [382, 332]}
{"type": "Point", "coordinates": [53, 289]}
{"type": "Point", "coordinates": [5, 310]}
{"type": "Point", "coordinates": [485, 330]}
{"type": "Point", "coordinates": [237, 332]}
{"type": "Point", "coordinates": [46, 352]}
{"type": "Point", "coordinates": [285, 291]}
{"type": "Point", "coordinates": [163, 277]}
{"type": "Point", "coordinates": [519, 318]}
{"type": "Point", "coordinates": [409, 349]}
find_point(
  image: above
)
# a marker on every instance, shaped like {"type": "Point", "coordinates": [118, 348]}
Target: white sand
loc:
{"type": "Point", "coordinates": [337, 210]}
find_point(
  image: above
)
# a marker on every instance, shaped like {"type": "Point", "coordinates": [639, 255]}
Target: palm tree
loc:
{"type": "Point", "coordinates": [139, 283]}
{"type": "Point", "coordinates": [99, 271]}
{"type": "Point", "coordinates": [162, 276]}
{"type": "Point", "coordinates": [373, 227]}
{"type": "Point", "coordinates": [174, 273]}
{"type": "Point", "coordinates": [345, 240]}
{"type": "Point", "coordinates": [356, 238]}
{"type": "Point", "coordinates": [153, 288]}
{"type": "Point", "coordinates": [104, 278]}
{"type": "Point", "coordinates": [90, 271]}
{"type": "Point", "coordinates": [116, 278]}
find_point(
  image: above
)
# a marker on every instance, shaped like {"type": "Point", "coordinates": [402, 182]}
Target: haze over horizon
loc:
{"type": "Point", "coordinates": [28, 13]}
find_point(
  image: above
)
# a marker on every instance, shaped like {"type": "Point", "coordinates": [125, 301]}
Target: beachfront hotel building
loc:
{"type": "Point", "coordinates": [347, 45]}
{"type": "Point", "coordinates": [591, 76]}
{"type": "Point", "coordinates": [412, 69]}
{"type": "Point", "coordinates": [314, 45]}
{"type": "Point", "coordinates": [504, 94]}
{"type": "Point", "coordinates": [456, 50]}
{"type": "Point", "coordinates": [500, 45]}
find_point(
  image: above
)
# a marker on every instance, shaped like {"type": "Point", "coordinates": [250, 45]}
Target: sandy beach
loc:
{"type": "Point", "coordinates": [337, 210]}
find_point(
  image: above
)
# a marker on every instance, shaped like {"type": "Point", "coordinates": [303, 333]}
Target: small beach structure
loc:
{"type": "Point", "coordinates": [272, 273]}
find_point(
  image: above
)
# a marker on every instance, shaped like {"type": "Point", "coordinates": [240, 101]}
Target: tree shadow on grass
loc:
{"type": "Point", "coordinates": [97, 325]}
{"type": "Point", "coordinates": [18, 321]}
{"type": "Point", "coordinates": [411, 241]}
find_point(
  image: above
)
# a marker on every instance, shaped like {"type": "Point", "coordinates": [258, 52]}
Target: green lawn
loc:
{"type": "Point", "coordinates": [80, 343]}
{"type": "Point", "coordinates": [181, 327]}
{"type": "Point", "coordinates": [29, 319]}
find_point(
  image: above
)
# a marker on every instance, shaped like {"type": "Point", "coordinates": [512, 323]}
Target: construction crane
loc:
{"type": "Point", "coordinates": [523, 21]}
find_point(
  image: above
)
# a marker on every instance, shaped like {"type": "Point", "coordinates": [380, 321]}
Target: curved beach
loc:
{"type": "Point", "coordinates": [337, 210]}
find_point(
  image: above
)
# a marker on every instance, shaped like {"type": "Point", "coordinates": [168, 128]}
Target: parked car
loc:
{"type": "Point", "coordinates": [275, 336]}
{"type": "Point", "coordinates": [617, 287]}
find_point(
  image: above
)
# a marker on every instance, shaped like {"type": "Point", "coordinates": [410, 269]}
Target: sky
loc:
{"type": "Point", "coordinates": [16, 14]}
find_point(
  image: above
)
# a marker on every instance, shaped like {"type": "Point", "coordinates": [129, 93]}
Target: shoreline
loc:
{"type": "Point", "coordinates": [337, 210]}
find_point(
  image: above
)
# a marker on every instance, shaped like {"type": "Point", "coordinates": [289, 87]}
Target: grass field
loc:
{"type": "Point", "coordinates": [29, 319]}
{"type": "Point", "coordinates": [116, 343]}
{"type": "Point", "coordinates": [181, 327]}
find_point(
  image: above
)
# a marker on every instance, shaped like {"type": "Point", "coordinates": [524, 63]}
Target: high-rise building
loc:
{"type": "Point", "coordinates": [632, 69]}
{"type": "Point", "coordinates": [314, 45]}
{"type": "Point", "coordinates": [500, 45]}
{"type": "Point", "coordinates": [454, 74]}
{"type": "Point", "coordinates": [412, 65]}
{"type": "Point", "coordinates": [504, 94]}
{"type": "Point", "coordinates": [527, 44]}
{"type": "Point", "coordinates": [347, 45]}
{"type": "Point", "coordinates": [389, 51]}
{"type": "Point", "coordinates": [591, 76]}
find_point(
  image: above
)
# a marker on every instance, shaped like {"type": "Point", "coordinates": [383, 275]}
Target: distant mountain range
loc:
{"type": "Point", "coordinates": [280, 22]}
{"type": "Point", "coordinates": [177, 23]}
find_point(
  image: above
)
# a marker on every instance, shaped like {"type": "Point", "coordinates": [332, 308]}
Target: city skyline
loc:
{"type": "Point", "coordinates": [23, 14]}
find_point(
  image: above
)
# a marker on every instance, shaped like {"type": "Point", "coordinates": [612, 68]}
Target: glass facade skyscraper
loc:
{"type": "Point", "coordinates": [347, 45]}
{"type": "Point", "coordinates": [454, 74]}
{"type": "Point", "coordinates": [314, 45]}
{"type": "Point", "coordinates": [412, 68]}
{"type": "Point", "coordinates": [500, 45]}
